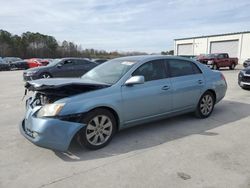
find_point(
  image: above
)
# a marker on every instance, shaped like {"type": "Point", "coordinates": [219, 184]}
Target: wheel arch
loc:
{"type": "Point", "coordinates": [213, 92]}
{"type": "Point", "coordinates": [117, 118]}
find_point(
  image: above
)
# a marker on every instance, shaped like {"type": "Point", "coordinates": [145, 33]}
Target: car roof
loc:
{"type": "Point", "coordinates": [81, 58]}
{"type": "Point", "coordinates": [150, 57]}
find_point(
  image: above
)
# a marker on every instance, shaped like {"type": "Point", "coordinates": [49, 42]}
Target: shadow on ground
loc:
{"type": "Point", "coordinates": [156, 133]}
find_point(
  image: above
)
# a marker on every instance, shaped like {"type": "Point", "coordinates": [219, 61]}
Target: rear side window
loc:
{"type": "Point", "coordinates": [182, 68]}
{"type": "Point", "coordinates": [152, 70]}
{"type": "Point", "coordinates": [82, 62]}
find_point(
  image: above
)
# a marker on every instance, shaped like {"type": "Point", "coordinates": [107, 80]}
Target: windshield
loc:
{"type": "Point", "coordinates": [109, 72]}
{"type": "Point", "coordinates": [211, 56]}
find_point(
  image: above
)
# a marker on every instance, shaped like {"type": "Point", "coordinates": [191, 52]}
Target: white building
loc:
{"type": "Point", "coordinates": [235, 44]}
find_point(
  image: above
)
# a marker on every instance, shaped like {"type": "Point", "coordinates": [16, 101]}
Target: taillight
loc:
{"type": "Point", "coordinates": [223, 78]}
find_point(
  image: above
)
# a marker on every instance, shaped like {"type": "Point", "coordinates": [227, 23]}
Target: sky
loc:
{"type": "Point", "coordinates": [125, 25]}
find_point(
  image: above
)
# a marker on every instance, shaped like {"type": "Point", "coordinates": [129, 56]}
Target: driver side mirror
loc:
{"type": "Point", "coordinates": [135, 80]}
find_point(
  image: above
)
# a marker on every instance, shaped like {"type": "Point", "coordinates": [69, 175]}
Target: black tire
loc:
{"type": "Point", "coordinates": [13, 67]}
{"type": "Point", "coordinates": [205, 109]}
{"type": "Point", "coordinates": [232, 67]}
{"type": "Point", "coordinates": [92, 131]}
{"type": "Point", "coordinates": [45, 75]}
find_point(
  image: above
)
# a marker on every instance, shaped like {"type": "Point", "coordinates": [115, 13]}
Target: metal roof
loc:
{"type": "Point", "coordinates": [217, 35]}
{"type": "Point", "coordinates": [149, 58]}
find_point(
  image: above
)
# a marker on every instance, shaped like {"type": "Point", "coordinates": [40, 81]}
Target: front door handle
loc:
{"type": "Point", "coordinates": [165, 88]}
{"type": "Point", "coordinates": [200, 82]}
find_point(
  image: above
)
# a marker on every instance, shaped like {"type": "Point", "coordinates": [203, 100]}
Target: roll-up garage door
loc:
{"type": "Point", "coordinates": [230, 47]}
{"type": "Point", "coordinates": [185, 49]}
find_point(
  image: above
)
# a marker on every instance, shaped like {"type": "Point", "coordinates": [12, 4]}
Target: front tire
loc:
{"type": "Point", "coordinates": [206, 105]}
{"type": "Point", "coordinates": [99, 130]}
{"type": "Point", "coordinates": [45, 75]}
{"type": "Point", "coordinates": [232, 67]}
{"type": "Point", "coordinates": [13, 67]}
{"type": "Point", "coordinates": [215, 67]}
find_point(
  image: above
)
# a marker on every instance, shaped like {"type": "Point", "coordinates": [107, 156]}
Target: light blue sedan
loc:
{"type": "Point", "coordinates": [117, 94]}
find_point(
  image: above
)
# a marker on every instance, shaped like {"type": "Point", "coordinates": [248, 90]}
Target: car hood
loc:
{"type": "Point", "coordinates": [36, 69]}
{"type": "Point", "coordinates": [53, 83]}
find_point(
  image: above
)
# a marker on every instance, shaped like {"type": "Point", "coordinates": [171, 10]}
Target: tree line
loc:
{"type": "Point", "coordinates": [38, 45]}
{"type": "Point", "coordinates": [30, 44]}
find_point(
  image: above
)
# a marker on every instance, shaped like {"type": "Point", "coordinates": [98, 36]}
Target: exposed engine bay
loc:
{"type": "Point", "coordinates": [48, 91]}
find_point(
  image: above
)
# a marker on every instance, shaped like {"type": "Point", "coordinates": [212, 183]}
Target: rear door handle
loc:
{"type": "Point", "coordinates": [165, 88]}
{"type": "Point", "coordinates": [200, 82]}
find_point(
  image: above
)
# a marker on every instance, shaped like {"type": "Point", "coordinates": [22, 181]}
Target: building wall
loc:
{"type": "Point", "coordinates": [202, 45]}
{"type": "Point", "coordinates": [245, 48]}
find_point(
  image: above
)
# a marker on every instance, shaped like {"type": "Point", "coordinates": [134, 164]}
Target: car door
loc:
{"type": "Point", "coordinates": [152, 98]}
{"type": "Point", "coordinates": [65, 69]}
{"type": "Point", "coordinates": [223, 61]}
{"type": "Point", "coordinates": [187, 82]}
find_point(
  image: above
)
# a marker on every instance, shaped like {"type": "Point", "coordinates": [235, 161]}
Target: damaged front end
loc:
{"type": "Point", "coordinates": [42, 124]}
{"type": "Point", "coordinates": [47, 91]}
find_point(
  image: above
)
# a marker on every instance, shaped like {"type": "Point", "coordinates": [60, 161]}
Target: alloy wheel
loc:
{"type": "Point", "coordinates": [206, 105]}
{"type": "Point", "coordinates": [99, 130]}
{"type": "Point", "coordinates": [46, 76]}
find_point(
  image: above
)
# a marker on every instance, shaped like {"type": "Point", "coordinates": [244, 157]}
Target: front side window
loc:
{"type": "Point", "coordinates": [182, 68]}
{"type": "Point", "coordinates": [68, 62]}
{"type": "Point", "coordinates": [223, 56]}
{"type": "Point", "coordinates": [152, 70]}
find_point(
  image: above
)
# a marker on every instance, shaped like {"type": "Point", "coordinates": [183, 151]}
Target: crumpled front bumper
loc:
{"type": "Point", "coordinates": [48, 132]}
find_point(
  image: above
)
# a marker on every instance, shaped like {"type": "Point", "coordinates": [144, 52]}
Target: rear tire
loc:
{"type": "Point", "coordinates": [206, 105]}
{"type": "Point", "coordinates": [100, 128]}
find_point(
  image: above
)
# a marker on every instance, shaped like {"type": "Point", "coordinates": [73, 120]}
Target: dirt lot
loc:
{"type": "Point", "coordinates": [178, 152]}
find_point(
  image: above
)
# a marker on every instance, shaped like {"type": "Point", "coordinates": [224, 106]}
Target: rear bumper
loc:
{"type": "Point", "coordinates": [48, 132]}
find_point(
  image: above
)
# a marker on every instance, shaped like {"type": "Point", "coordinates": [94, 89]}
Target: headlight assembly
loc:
{"type": "Point", "coordinates": [30, 73]}
{"type": "Point", "coordinates": [50, 110]}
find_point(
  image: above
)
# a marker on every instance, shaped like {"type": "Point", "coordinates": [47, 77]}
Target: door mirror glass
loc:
{"type": "Point", "coordinates": [135, 80]}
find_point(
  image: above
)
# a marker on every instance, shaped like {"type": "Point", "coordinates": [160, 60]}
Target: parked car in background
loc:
{"type": "Point", "coordinates": [4, 66]}
{"type": "Point", "coordinates": [100, 61]}
{"type": "Point", "coordinates": [19, 65]}
{"type": "Point", "coordinates": [10, 60]}
{"type": "Point", "coordinates": [48, 60]}
{"type": "Point", "coordinates": [218, 60]}
{"type": "Point", "coordinates": [66, 67]}
{"type": "Point", "coordinates": [244, 78]}
{"type": "Point", "coordinates": [120, 93]}
{"type": "Point", "coordinates": [246, 63]}
{"type": "Point", "coordinates": [35, 62]}
{"type": "Point", "coordinates": [189, 56]}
